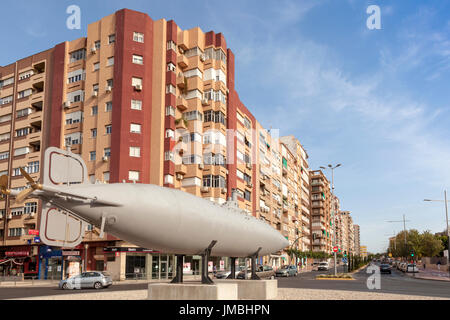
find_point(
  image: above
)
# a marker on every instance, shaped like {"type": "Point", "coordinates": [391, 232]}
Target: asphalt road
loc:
{"type": "Point", "coordinates": [397, 282]}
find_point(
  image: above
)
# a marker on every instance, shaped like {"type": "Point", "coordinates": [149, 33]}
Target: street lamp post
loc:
{"type": "Point", "coordinates": [448, 230]}
{"type": "Point", "coordinates": [333, 210]}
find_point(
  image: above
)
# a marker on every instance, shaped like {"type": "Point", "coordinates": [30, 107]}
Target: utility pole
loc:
{"type": "Point", "coordinates": [333, 210]}
{"type": "Point", "coordinates": [448, 230]}
{"type": "Point", "coordinates": [404, 231]}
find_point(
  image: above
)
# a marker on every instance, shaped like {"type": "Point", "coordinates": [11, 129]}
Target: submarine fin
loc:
{"type": "Point", "coordinates": [60, 228]}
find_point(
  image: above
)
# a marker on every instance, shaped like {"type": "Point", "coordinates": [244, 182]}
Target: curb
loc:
{"type": "Point", "coordinates": [431, 279]}
{"type": "Point", "coordinates": [336, 279]}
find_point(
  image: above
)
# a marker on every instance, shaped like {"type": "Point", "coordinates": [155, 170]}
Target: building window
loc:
{"type": "Point", "coordinates": [110, 83]}
{"type": "Point", "coordinates": [108, 106]}
{"type": "Point", "coordinates": [106, 176]}
{"type": "Point", "coordinates": [112, 39]}
{"type": "Point", "coordinates": [94, 133]}
{"type": "Point", "coordinates": [168, 156]}
{"type": "Point", "coordinates": [24, 93]}
{"type": "Point", "coordinates": [138, 37]}
{"type": "Point", "coordinates": [96, 66]}
{"type": "Point", "coordinates": [171, 45]}
{"type": "Point", "coordinates": [138, 59]}
{"type": "Point", "coordinates": [33, 167]}
{"type": "Point", "coordinates": [21, 151]}
{"type": "Point", "coordinates": [16, 232]}
{"type": "Point", "coordinates": [135, 128]}
{"type": "Point", "coordinates": [97, 45]}
{"type": "Point", "coordinates": [30, 207]}
{"type": "Point", "coordinates": [214, 181]}
{"type": "Point", "coordinates": [23, 132]}
{"type": "Point", "coordinates": [136, 82]}
{"type": "Point", "coordinates": [95, 87]}
{"type": "Point", "coordinates": [110, 61]}
{"type": "Point", "coordinates": [133, 175]}
{"type": "Point", "coordinates": [168, 179]}
{"type": "Point", "coordinates": [247, 195]}
{"type": "Point", "coordinates": [193, 115]}
{"type": "Point", "coordinates": [171, 67]}
{"type": "Point", "coordinates": [4, 155]}
{"type": "Point", "coordinates": [78, 55]}
{"type": "Point", "coordinates": [136, 104]}
{"type": "Point", "coordinates": [92, 156]}
{"type": "Point", "coordinates": [94, 110]}
{"type": "Point", "coordinates": [135, 152]}
{"type": "Point", "coordinates": [170, 111]}
{"type": "Point", "coordinates": [107, 152]}
{"type": "Point", "coordinates": [170, 89]}
{"type": "Point", "coordinates": [108, 129]}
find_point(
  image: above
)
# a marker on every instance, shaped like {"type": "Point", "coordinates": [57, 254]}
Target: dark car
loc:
{"type": "Point", "coordinates": [287, 271]}
{"type": "Point", "coordinates": [385, 268]}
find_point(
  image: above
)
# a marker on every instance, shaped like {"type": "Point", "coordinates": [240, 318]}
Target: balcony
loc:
{"type": "Point", "coordinates": [181, 82]}
{"type": "Point", "coordinates": [182, 61]}
{"type": "Point", "coordinates": [181, 123]}
{"type": "Point", "coordinates": [180, 169]}
{"type": "Point", "coordinates": [181, 103]}
{"type": "Point", "coordinates": [317, 183]}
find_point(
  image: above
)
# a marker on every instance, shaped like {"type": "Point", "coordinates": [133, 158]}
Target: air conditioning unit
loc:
{"type": "Point", "coordinates": [249, 185]}
{"type": "Point", "coordinates": [204, 189]}
{"type": "Point", "coordinates": [9, 216]}
{"type": "Point", "coordinates": [66, 104]}
{"type": "Point", "coordinates": [249, 165]}
{"type": "Point", "coordinates": [201, 166]}
{"type": "Point", "coordinates": [224, 191]}
{"type": "Point", "coordinates": [93, 50]}
{"type": "Point", "coordinates": [179, 176]}
{"type": "Point", "coordinates": [202, 57]}
{"type": "Point", "coordinates": [181, 50]}
{"type": "Point", "coordinates": [105, 158]}
{"type": "Point", "coordinates": [95, 93]}
{"type": "Point", "coordinates": [32, 214]}
{"type": "Point", "coordinates": [108, 88]}
{"type": "Point", "coordinates": [204, 102]}
{"type": "Point", "coordinates": [138, 87]}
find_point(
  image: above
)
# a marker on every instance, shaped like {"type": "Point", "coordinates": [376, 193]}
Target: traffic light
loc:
{"type": "Point", "coordinates": [345, 253]}
{"type": "Point", "coordinates": [412, 253]}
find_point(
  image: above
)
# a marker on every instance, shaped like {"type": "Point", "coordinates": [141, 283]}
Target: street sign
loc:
{"type": "Point", "coordinates": [344, 260]}
{"type": "Point", "coordinates": [335, 249]}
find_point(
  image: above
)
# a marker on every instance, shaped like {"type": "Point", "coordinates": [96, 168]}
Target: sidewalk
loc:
{"type": "Point", "coordinates": [430, 274]}
{"type": "Point", "coordinates": [53, 283]}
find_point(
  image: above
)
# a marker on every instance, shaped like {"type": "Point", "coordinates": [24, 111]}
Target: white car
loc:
{"type": "Point", "coordinates": [412, 268]}
{"type": "Point", "coordinates": [323, 266]}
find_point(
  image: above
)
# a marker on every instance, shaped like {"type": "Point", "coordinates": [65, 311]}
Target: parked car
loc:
{"type": "Point", "coordinates": [411, 267]}
{"type": "Point", "coordinates": [225, 274]}
{"type": "Point", "coordinates": [264, 272]}
{"type": "Point", "coordinates": [323, 266]}
{"type": "Point", "coordinates": [385, 268]}
{"type": "Point", "coordinates": [90, 279]}
{"type": "Point", "coordinates": [287, 271]}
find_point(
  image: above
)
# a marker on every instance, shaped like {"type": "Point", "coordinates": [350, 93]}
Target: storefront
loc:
{"type": "Point", "coordinates": [19, 261]}
{"type": "Point", "coordinates": [51, 263]}
{"type": "Point", "coordinates": [139, 263]}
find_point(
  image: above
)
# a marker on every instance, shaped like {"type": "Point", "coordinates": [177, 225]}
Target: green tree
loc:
{"type": "Point", "coordinates": [431, 245]}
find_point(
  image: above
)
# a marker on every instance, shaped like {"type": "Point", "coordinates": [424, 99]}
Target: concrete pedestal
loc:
{"type": "Point", "coordinates": [254, 289]}
{"type": "Point", "coordinates": [188, 291]}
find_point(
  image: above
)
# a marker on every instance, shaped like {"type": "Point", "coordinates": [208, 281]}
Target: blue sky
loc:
{"type": "Point", "coordinates": [376, 101]}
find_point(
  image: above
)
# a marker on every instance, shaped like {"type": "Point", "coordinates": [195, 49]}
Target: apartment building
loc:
{"type": "Point", "coordinates": [357, 239]}
{"type": "Point", "coordinates": [321, 219]}
{"type": "Point", "coordinates": [25, 91]}
{"type": "Point", "coordinates": [301, 186]}
{"type": "Point", "coordinates": [141, 101]}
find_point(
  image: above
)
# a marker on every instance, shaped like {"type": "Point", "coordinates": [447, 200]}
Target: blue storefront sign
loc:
{"type": "Point", "coordinates": [47, 253]}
